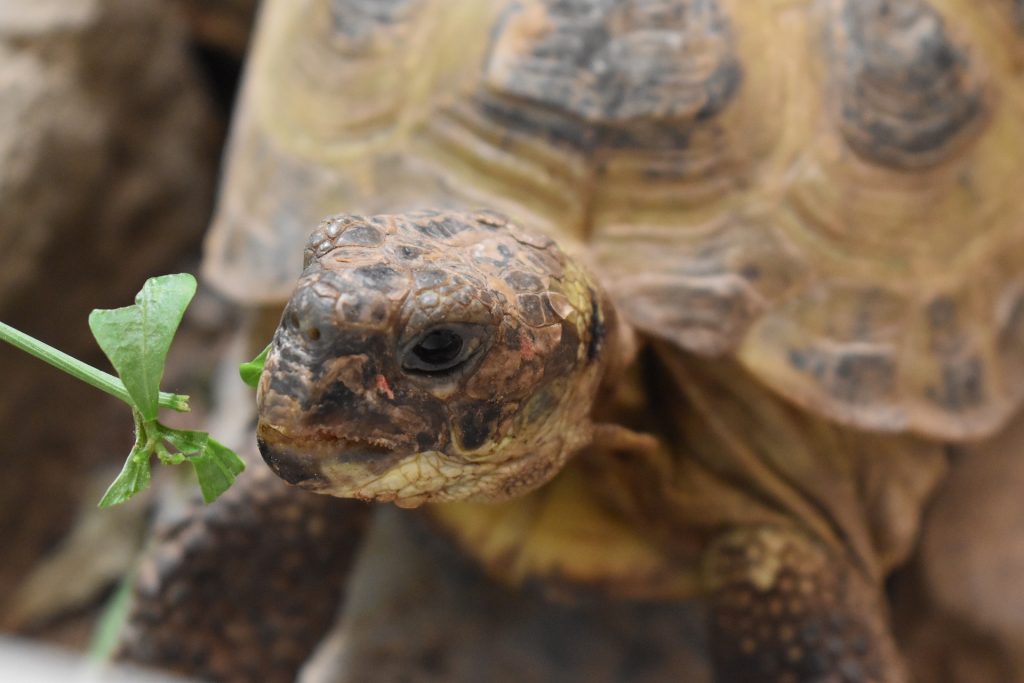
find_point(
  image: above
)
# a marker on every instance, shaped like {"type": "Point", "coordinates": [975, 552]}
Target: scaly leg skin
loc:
{"type": "Point", "coordinates": [243, 589]}
{"type": "Point", "coordinates": [784, 611]}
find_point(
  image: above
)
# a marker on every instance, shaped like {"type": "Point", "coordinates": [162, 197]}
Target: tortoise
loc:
{"type": "Point", "coordinates": [656, 298]}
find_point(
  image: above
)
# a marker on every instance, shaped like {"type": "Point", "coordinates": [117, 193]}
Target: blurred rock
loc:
{"type": "Point", "coordinates": [958, 606]}
{"type": "Point", "coordinates": [108, 148]}
{"type": "Point", "coordinates": [223, 25]}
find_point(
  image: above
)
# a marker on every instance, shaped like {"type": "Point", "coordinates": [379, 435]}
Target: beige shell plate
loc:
{"type": "Point", "coordinates": [828, 190]}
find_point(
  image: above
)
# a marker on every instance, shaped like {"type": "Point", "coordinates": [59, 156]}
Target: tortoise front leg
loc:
{"type": "Point", "coordinates": [784, 610]}
{"type": "Point", "coordinates": [244, 589]}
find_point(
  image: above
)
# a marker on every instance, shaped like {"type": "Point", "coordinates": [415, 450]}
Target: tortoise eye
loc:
{"type": "Point", "coordinates": [439, 350]}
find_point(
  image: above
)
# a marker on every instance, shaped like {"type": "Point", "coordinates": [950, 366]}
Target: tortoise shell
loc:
{"type": "Point", "coordinates": [826, 190]}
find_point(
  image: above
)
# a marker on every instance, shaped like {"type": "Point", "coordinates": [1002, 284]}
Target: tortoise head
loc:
{"type": "Point", "coordinates": [431, 357]}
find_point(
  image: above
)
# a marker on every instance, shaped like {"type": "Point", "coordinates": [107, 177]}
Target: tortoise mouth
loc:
{"type": "Point", "coordinates": [323, 461]}
{"type": "Point", "coordinates": [322, 442]}
{"type": "Point", "coordinates": [347, 468]}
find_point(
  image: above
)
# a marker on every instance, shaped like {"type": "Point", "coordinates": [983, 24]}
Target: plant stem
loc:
{"type": "Point", "coordinates": [101, 380]}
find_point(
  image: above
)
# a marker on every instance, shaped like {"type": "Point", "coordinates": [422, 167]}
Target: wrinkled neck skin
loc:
{"type": "Point", "coordinates": [347, 406]}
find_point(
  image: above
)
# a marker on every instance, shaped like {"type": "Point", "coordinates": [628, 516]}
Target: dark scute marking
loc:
{"type": "Point", "coordinates": [849, 376]}
{"type": "Point", "coordinates": [362, 308]}
{"type": "Point", "coordinates": [944, 327]}
{"type": "Point", "coordinates": [597, 331]}
{"type": "Point", "coordinates": [477, 423]}
{"type": "Point", "coordinates": [648, 135]}
{"type": "Point", "coordinates": [863, 377]}
{"type": "Point", "coordinates": [408, 253]}
{"type": "Point", "coordinates": [360, 235]}
{"type": "Point", "coordinates": [524, 282]}
{"type": "Point", "coordinates": [379, 277]}
{"type": "Point", "coordinates": [555, 127]}
{"type": "Point", "coordinates": [963, 385]}
{"type": "Point", "coordinates": [532, 309]}
{"type": "Point", "coordinates": [941, 312]}
{"type": "Point", "coordinates": [720, 88]}
{"type": "Point", "coordinates": [750, 272]}
{"type": "Point", "coordinates": [441, 226]}
{"type": "Point", "coordinates": [563, 130]}
{"type": "Point", "coordinates": [502, 261]}
{"type": "Point", "coordinates": [613, 74]}
{"type": "Point", "coordinates": [809, 361]}
{"type": "Point", "coordinates": [358, 19]}
{"type": "Point", "coordinates": [906, 91]}
{"type": "Point", "coordinates": [348, 343]}
{"type": "Point", "coordinates": [285, 380]}
{"type": "Point", "coordinates": [338, 399]}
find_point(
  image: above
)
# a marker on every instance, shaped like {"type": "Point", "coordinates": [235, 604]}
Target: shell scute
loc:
{"type": "Point", "coordinates": [907, 95]}
{"type": "Point", "coordinates": [609, 62]}
{"type": "Point", "coordinates": [702, 293]}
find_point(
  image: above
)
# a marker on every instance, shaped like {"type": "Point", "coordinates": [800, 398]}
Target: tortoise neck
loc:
{"type": "Point", "coordinates": [617, 339]}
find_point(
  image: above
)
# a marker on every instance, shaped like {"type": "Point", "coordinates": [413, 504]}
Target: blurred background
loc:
{"type": "Point", "coordinates": [113, 115]}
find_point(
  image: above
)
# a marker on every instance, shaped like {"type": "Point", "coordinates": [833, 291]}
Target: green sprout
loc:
{"type": "Point", "coordinates": [251, 371]}
{"type": "Point", "coordinates": [136, 339]}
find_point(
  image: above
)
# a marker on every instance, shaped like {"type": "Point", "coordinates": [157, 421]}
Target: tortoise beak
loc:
{"type": "Point", "coordinates": [293, 465]}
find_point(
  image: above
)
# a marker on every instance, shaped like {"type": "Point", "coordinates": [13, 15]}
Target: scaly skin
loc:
{"type": "Point", "coordinates": [341, 410]}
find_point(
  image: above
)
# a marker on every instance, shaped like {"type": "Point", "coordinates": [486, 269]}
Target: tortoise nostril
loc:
{"type": "Point", "coordinates": [310, 332]}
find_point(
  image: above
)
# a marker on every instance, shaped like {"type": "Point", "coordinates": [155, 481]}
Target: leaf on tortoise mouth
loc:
{"type": "Point", "coordinates": [251, 371]}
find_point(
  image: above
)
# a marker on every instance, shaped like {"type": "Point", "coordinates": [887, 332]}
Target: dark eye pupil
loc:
{"type": "Point", "coordinates": [438, 347]}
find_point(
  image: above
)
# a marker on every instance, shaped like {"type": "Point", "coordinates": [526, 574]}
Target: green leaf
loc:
{"type": "Point", "coordinates": [216, 468]}
{"type": "Point", "coordinates": [136, 338]}
{"type": "Point", "coordinates": [134, 477]}
{"type": "Point", "coordinates": [252, 370]}
{"type": "Point", "coordinates": [186, 441]}
{"type": "Point", "coordinates": [168, 458]}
